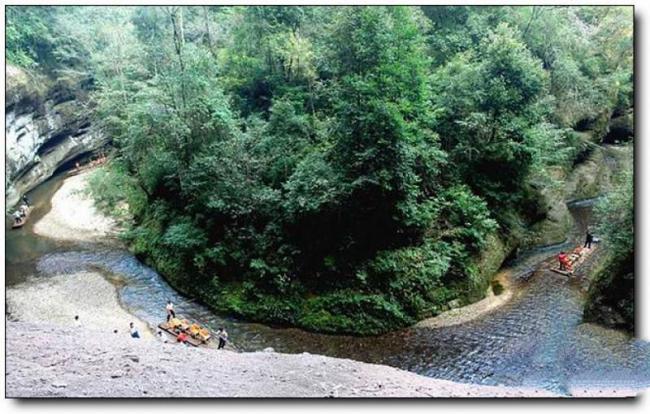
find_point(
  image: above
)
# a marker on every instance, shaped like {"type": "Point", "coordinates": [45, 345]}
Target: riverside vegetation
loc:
{"type": "Point", "coordinates": [341, 169]}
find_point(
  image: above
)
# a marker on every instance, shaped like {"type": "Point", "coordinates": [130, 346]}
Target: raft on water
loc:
{"type": "Point", "coordinates": [18, 224]}
{"type": "Point", "coordinates": [196, 334]}
{"type": "Point", "coordinates": [576, 257]}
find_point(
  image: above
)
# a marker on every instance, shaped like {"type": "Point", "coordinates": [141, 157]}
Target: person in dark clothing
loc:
{"type": "Point", "coordinates": [589, 239]}
{"type": "Point", "coordinates": [26, 200]}
{"type": "Point", "coordinates": [134, 331]}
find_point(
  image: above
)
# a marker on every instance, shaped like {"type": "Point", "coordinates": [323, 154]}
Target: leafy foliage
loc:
{"type": "Point", "coordinates": [336, 168]}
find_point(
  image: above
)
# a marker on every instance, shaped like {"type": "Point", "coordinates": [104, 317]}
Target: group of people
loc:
{"type": "Point", "coordinates": [182, 336]}
{"type": "Point", "coordinates": [101, 159]}
{"type": "Point", "coordinates": [22, 210]}
{"type": "Point", "coordinates": [563, 257]}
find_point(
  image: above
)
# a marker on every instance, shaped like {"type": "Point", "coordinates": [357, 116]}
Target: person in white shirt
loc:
{"type": "Point", "coordinates": [170, 310]}
{"type": "Point", "coordinates": [223, 338]}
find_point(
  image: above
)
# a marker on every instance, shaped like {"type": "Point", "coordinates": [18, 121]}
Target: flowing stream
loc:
{"type": "Point", "coordinates": [536, 339]}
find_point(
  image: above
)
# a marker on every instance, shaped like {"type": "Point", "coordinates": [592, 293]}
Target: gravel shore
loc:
{"type": "Point", "coordinates": [473, 311]}
{"type": "Point", "coordinates": [58, 299]}
{"type": "Point", "coordinates": [49, 361]}
{"type": "Point", "coordinates": [73, 215]}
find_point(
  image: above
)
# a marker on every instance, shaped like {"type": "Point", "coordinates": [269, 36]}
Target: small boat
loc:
{"type": "Point", "coordinates": [18, 224]}
{"type": "Point", "coordinates": [196, 334]}
{"type": "Point", "coordinates": [576, 257]}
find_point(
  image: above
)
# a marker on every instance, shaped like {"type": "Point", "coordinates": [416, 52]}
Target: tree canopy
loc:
{"type": "Point", "coordinates": [335, 168]}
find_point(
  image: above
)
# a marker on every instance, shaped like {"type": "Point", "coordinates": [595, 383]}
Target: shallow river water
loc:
{"type": "Point", "coordinates": [536, 339]}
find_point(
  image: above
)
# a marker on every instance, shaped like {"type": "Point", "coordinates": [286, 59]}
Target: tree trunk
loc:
{"type": "Point", "coordinates": [208, 33]}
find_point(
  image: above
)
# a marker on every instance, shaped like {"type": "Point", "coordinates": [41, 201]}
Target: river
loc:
{"type": "Point", "coordinates": [536, 339]}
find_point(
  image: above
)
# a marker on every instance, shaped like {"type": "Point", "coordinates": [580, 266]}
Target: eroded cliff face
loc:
{"type": "Point", "coordinates": [47, 124]}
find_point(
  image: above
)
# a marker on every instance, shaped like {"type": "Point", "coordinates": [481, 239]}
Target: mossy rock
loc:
{"type": "Point", "coordinates": [24, 91]}
{"type": "Point", "coordinates": [491, 258]}
{"type": "Point", "coordinates": [553, 229]}
{"type": "Point", "coordinates": [610, 300]}
{"type": "Point", "coordinates": [588, 178]}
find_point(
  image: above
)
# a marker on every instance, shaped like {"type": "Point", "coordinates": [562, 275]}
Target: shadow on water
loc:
{"type": "Point", "coordinates": [536, 339]}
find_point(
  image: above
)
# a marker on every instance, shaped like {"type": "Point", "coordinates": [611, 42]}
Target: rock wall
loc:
{"type": "Point", "coordinates": [47, 123]}
{"type": "Point", "coordinates": [610, 300]}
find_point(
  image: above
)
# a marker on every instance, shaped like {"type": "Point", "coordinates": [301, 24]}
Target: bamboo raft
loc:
{"type": "Point", "coordinates": [196, 334]}
{"type": "Point", "coordinates": [576, 258]}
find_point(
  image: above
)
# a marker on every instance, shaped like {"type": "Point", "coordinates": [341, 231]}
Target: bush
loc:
{"type": "Point", "coordinates": [352, 313]}
{"type": "Point", "coordinates": [467, 216]}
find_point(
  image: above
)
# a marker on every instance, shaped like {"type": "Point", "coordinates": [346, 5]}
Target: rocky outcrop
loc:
{"type": "Point", "coordinates": [587, 178]}
{"type": "Point", "coordinates": [59, 362]}
{"type": "Point", "coordinates": [557, 223]}
{"type": "Point", "coordinates": [47, 124]}
{"type": "Point", "coordinates": [610, 300]}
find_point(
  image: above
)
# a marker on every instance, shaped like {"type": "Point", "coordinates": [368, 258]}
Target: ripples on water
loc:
{"type": "Point", "coordinates": [536, 339]}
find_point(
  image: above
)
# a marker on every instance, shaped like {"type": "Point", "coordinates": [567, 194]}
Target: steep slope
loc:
{"type": "Point", "coordinates": [59, 362]}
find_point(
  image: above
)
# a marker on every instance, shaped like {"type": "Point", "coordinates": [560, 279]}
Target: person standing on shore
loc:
{"type": "Point", "coordinates": [223, 338]}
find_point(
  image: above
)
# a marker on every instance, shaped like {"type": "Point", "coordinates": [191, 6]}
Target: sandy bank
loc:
{"type": "Point", "coordinates": [57, 299]}
{"type": "Point", "coordinates": [475, 310]}
{"type": "Point", "coordinates": [73, 215]}
{"type": "Point", "coordinates": [59, 363]}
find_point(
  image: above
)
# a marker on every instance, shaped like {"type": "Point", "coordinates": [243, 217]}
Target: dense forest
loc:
{"type": "Point", "coordinates": [341, 169]}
